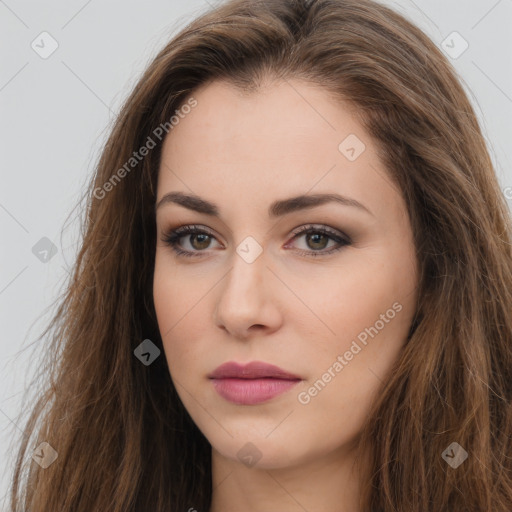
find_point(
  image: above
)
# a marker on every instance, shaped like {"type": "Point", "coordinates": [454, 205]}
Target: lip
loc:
{"type": "Point", "coordinates": [253, 383]}
{"type": "Point", "coordinates": [252, 370]}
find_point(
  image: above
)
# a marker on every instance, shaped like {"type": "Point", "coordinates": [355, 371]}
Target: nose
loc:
{"type": "Point", "coordinates": [248, 301]}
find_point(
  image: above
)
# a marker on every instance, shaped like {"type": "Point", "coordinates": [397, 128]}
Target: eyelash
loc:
{"type": "Point", "coordinates": [172, 239]}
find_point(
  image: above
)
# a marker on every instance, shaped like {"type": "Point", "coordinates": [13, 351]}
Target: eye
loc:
{"type": "Point", "coordinates": [316, 237]}
{"type": "Point", "coordinates": [199, 239]}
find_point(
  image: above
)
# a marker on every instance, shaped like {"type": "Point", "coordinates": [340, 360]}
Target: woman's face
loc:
{"type": "Point", "coordinates": [331, 306]}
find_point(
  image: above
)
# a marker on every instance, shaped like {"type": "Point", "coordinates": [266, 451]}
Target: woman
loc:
{"type": "Point", "coordinates": [210, 356]}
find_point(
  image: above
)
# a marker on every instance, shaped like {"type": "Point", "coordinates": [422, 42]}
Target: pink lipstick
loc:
{"type": "Point", "coordinates": [251, 384]}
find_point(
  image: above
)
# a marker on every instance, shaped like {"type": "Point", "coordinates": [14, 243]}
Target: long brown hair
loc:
{"type": "Point", "coordinates": [123, 438]}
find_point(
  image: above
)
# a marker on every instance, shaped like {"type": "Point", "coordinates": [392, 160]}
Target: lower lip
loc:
{"type": "Point", "coordinates": [251, 391]}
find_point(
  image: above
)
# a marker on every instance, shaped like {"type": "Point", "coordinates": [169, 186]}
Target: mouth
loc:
{"type": "Point", "coordinates": [251, 384]}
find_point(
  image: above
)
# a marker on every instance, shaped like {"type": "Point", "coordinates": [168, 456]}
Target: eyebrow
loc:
{"type": "Point", "coordinates": [276, 209]}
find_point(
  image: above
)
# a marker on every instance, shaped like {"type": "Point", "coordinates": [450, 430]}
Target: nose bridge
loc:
{"type": "Point", "coordinates": [244, 281]}
{"type": "Point", "coordinates": [242, 298]}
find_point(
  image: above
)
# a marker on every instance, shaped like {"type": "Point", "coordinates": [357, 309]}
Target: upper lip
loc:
{"type": "Point", "coordinates": [252, 370]}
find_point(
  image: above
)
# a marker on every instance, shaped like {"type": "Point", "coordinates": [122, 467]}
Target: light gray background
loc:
{"type": "Point", "coordinates": [56, 112]}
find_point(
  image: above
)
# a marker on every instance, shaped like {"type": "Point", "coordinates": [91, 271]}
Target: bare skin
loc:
{"type": "Point", "coordinates": [288, 307]}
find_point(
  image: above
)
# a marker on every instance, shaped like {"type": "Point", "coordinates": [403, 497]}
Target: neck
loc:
{"type": "Point", "coordinates": [326, 484]}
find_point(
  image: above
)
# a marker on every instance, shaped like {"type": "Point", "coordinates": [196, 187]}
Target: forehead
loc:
{"type": "Point", "coordinates": [281, 119]}
{"type": "Point", "coordinates": [286, 138]}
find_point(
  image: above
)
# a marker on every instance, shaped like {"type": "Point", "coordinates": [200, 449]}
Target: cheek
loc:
{"type": "Point", "coordinates": [372, 281]}
{"type": "Point", "coordinates": [171, 305]}
{"type": "Point", "coordinates": [369, 302]}
{"type": "Point", "coordinates": [348, 369]}
{"type": "Point", "coordinates": [180, 310]}
{"type": "Point", "coordinates": [352, 297]}
{"type": "Point", "coordinates": [175, 294]}
{"type": "Point", "coordinates": [164, 297]}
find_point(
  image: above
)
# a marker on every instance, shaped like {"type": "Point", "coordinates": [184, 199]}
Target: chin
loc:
{"type": "Point", "coordinates": [260, 452]}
